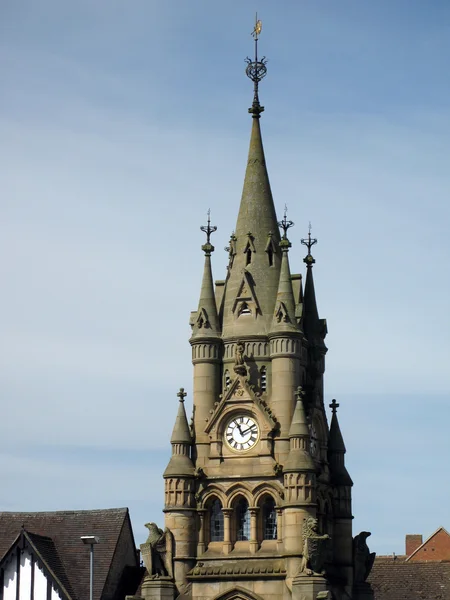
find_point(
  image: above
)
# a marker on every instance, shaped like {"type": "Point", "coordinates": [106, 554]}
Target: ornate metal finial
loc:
{"type": "Point", "coordinates": [181, 395]}
{"type": "Point", "coordinates": [208, 229]}
{"type": "Point", "coordinates": [256, 70]}
{"type": "Point", "coordinates": [299, 393]}
{"type": "Point", "coordinates": [309, 243]}
{"type": "Point", "coordinates": [285, 224]}
{"type": "Point", "coordinates": [334, 406]}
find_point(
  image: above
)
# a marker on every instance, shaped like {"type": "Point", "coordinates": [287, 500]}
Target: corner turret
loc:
{"type": "Point", "coordinates": [206, 321]}
{"type": "Point", "coordinates": [180, 463]}
{"type": "Point", "coordinates": [299, 458]}
{"type": "Point", "coordinates": [336, 451]}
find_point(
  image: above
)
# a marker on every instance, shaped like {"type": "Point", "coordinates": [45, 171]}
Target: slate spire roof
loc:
{"type": "Point", "coordinates": [336, 451]}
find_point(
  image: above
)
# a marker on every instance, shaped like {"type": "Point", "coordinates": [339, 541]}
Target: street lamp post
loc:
{"type": "Point", "coordinates": [91, 540]}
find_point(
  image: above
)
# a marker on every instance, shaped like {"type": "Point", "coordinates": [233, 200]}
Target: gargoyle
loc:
{"type": "Point", "coordinates": [157, 552]}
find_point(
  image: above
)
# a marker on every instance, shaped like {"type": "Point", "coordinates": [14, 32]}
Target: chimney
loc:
{"type": "Point", "coordinates": [412, 542]}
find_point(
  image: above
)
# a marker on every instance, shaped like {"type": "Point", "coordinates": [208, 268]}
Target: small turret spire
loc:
{"type": "Point", "coordinates": [299, 458]}
{"type": "Point", "coordinates": [315, 328]}
{"type": "Point", "coordinates": [336, 450]}
{"type": "Point", "coordinates": [206, 323]}
{"type": "Point", "coordinates": [180, 462]}
{"type": "Point", "coordinates": [284, 314]}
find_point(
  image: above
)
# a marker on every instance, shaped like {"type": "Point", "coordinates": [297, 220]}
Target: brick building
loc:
{"type": "Point", "coordinates": [422, 573]}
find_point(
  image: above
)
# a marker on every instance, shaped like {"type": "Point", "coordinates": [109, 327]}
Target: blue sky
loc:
{"type": "Point", "coordinates": [121, 123]}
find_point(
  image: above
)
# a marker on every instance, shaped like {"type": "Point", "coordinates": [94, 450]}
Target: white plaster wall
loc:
{"type": "Point", "coordinates": [25, 576]}
{"type": "Point", "coordinates": [55, 595]}
{"type": "Point", "coordinates": [40, 584]}
{"type": "Point", "coordinates": [10, 581]}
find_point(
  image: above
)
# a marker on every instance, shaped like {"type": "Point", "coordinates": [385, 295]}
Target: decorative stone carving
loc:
{"type": "Point", "coordinates": [239, 364]}
{"type": "Point", "coordinates": [363, 559]}
{"type": "Point", "coordinates": [157, 552]}
{"type": "Point", "coordinates": [315, 548]}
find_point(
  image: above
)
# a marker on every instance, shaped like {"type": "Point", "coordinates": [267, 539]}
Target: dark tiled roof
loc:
{"type": "Point", "coordinates": [64, 550]}
{"type": "Point", "coordinates": [45, 549]}
{"type": "Point", "coordinates": [399, 580]}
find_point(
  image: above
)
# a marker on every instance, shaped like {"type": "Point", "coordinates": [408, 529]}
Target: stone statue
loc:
{"type": "Point", "coordinates": [157, 552]}
{"type": "Point", "coordinates": [315, 547]}
{"type": "Point", "coordinates": [363, 559]}
{"type": "Point", "coordinates": [239, 364]}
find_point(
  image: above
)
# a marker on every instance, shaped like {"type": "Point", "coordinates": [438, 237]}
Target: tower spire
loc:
{"type": "Point", "coordinates": [206, 323]}
{"type": "Point", "coordinates": [254, 273]}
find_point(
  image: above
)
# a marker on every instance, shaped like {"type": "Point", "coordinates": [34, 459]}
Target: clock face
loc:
{"type": "Point", "coordinates": [242, 433]}
{"type": "Point", "coordinates": [313, 444]}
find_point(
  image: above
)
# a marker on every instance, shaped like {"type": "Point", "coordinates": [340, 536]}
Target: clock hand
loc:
{"type": "Point", "coordinates": [239, 427]}
{"type": "Point", "coordinates": [252, 428]}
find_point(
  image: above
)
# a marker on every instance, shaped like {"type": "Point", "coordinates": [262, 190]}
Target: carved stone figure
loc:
{"type": "Point", "coordinates": [157, 552]}
{"type": "Point", "coordinates": [363, 559]}
{"type": "Point", "coordinates": [239, 364]}
{"type": "Point", "coordinates": [315, 547]}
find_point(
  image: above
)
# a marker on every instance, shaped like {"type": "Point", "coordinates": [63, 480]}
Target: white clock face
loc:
{"type": "Point", "coordinates": [242, 433]}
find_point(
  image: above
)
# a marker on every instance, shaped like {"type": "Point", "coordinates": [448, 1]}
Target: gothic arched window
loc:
{"type": "Point", "coordinates": [242, 521]}
{"type": "Point", "coordinates": [216, 522]}
{"type": "Point", "coordinates": [269, 519]}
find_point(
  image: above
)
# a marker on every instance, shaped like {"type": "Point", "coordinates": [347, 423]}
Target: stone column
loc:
{"type": "Point", "coordinates": [279, 529]}
{"type": "Point", "coordinates": [227, 512]}
{"type": "Point", "coordinates": [201, 531]}
{"type": "Point", "coordinates": [253, 529]}
{"type": "Point", "coordinates": [285, 353]}
{"type": "Point", "coordinates": [207, 386]}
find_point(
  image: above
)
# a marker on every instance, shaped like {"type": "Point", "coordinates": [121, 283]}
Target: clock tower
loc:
{"type": "Point", "coordinates": [257, 495]}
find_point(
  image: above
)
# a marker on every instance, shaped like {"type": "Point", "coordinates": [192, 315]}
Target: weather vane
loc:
{"type": "Point", "coordinates": [208, 229]}
{"type": "Point", "coordinates": [309, 243]}
{"type": "Point", "coordinates": [285, 224]}
{"type": "Point", "coordinates": [256, 70]}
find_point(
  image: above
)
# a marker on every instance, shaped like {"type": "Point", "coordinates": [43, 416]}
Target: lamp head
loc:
{"type": "Point", "coordinates": [90, 539]}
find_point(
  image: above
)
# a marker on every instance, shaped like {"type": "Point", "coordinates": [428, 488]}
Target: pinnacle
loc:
{"type": "Point", "coordinates": [207, 319]}
{"type": "Point", "coordinates": [284, 314]}
{"type": "Point", "coordinates": [181, 433]}
{"type": "Point", "coordinates": [299, 458]}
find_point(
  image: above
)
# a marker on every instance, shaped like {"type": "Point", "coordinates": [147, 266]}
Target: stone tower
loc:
{"type": "Point", "coordinates": [257, 495]}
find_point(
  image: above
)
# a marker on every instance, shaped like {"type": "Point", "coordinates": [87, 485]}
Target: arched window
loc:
{"type": "Point", "coordinates": [216, 522]}
{"type": "Point", "coordinates": [263, 374]}
{"type": "Point", "coordinates": [242, 521]}
{"type": "Point", "coordinates": [269, 519]}
{"type": "Point", "coordinates": [248, 259]}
